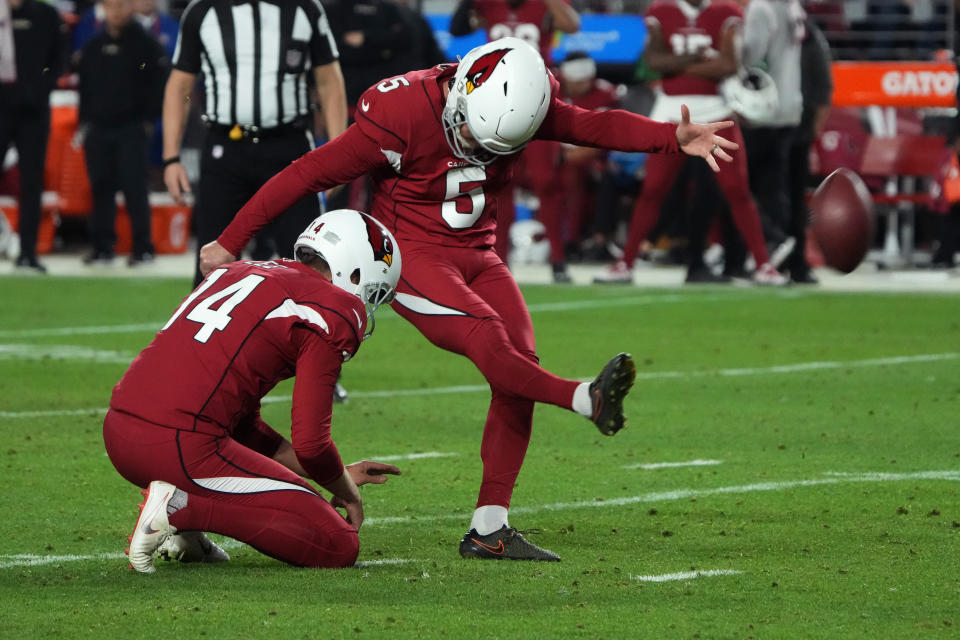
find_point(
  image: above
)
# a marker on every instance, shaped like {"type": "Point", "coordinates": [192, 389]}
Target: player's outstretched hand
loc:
{"type": "Point", "coordinates": [370, 472]}
{"type": "Point", "coordinates": [212, 255]}
{"type": "Point", "coordinates": [701, 140]}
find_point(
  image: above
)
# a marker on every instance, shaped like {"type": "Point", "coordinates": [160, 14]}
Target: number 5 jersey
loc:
{"type": "Point", "coordinates": [421, 191]}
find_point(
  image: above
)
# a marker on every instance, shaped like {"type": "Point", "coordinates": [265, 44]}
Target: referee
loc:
{"type": "Point", "coordinates": [255, 56]}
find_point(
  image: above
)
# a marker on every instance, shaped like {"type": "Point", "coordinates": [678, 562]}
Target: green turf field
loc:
{"type": "Point", "coordinates": [825, 504]}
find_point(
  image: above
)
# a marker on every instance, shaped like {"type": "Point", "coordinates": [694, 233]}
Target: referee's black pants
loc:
{"type": "Point", "coordinates": [797, 180]}
{"type": "Point", "coordinates": [117, 161]}
{"type": "Point", "coordinates": [231, 171]}
{"type": "Point", "coordinates": [768, 161]}
{"type": "Point", "coordinates": [28, 129]}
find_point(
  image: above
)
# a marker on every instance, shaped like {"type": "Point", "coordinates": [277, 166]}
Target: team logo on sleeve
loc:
{"type": "Point", "coordinates": [381, 244]}
{"type": "Point", "coordinates": [483, 68]}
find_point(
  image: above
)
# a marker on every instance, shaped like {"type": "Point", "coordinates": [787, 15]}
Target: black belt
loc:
{"type": "Point", "coordinates": [252, 133]}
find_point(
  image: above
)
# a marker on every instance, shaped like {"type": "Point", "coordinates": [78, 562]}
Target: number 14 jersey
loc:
{"type": "Point", "coordinates": [248, 326]}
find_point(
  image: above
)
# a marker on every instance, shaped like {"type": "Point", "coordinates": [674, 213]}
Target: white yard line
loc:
{"type": "Point", "coordinates": [652, 375]}
{"type": "Point", "coordinates": [29, 560]}
{"type": "Point", "coordinates": [686, 575]}
{"type": "Point", "coordinates": [151, 327]}
{"type": "Point", "coordinates": [63, 352]}
{"type": "Point", "coordinates": [650, 466]}
{"type": "Point", "coordinates": [413, 456]}
{"type": "Point", "coordinates": [685, 494]}
{"type": "Point", "coordinates": [384, 562]}
{"type": "Point", "coordinates": [543, 307]}
{"type": "Point", "coordinates": [53, 413]}
{"type": "Point", "coordinates": [953, 475]}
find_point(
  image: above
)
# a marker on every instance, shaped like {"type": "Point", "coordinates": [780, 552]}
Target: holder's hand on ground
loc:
{"type": "Point", "coordinates": [354, 511]}
{"type": "Point", "coordinates": [347, 497]}
{"type": "Point", "coordinates": [175, 177]}
{"type": "Point", "coordinates": [370, 472]}
{"type": "Point", "coordinates": [212, 255]}
{"type": "Point", "coordinates": [701, 140]}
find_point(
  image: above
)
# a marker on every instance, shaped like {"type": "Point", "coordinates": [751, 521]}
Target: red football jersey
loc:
{"type": "Point", "coordinates": [421, 190]}
{"type": "Point", "coordinates": [528, 21]}
{"type": "Point", "coordinates": [602, 96]}
{"type": "Point", "coordinates": [248, 326]}
{"type": "Point", "coordinates": [689, 30]}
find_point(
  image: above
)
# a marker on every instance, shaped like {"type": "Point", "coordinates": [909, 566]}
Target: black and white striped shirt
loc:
{"type": "Point", "coordinates": [255, 55]}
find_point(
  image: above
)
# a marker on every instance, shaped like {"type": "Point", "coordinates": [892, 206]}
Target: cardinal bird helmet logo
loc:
{"type": "Point", "coordinates": [483, 68]}
{"type": "Point", "coordinates": [381, 243]}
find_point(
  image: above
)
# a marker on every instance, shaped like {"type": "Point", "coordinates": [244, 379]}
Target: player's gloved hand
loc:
{"type": "Point", "coordinates": [370, 472]}
{"type": "Point", "coordinates": [212, 255]}
{"type": "Point", "coordinates": [697, 139]}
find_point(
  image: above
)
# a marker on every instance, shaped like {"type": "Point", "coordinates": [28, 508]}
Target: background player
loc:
{"type": "Point", "coordinates": [573, 174]}
{"type": "Point", "coordinates": [440, 199]}
{"type": "Point", "coordinates": [692, 44]}
{"type": "Point", "coordinates": [198, 441]}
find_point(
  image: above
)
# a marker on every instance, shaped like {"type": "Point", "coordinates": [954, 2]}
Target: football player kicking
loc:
{"type": "Point", "coordinates": [440, 146]}
{"type": "Point", "coordinates": [184, 421]}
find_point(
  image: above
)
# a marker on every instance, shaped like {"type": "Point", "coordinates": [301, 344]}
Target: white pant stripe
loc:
{"type": "Point", "coordinates": [426, 307]}
{"type": "Point", "coordinates": [247, 485]}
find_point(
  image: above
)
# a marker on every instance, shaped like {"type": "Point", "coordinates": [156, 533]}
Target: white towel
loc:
{"type": "Point", "coordinates": [8, 63]}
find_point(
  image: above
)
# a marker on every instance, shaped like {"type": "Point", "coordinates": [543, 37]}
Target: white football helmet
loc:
{"type": "Point", "coordinates": [363, 256]}
{"type": "Point", "coordinates": [752, 93]}
{"type": "Point", "coordinates": [501, 91]}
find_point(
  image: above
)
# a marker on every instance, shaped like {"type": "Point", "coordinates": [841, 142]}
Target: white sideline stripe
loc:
{"type": "Point", "coordinates": [686, 575]}
{"type": "Point", "coordinates": [669, 465]}
{"type": "Point", "coordinates": [239, 484]}
{"type": "Point", "coordinates": [653, 375]}
{"type": "Point", "coordinates": [63, 352]}
{"type": "Point", "coordinates": [22, 560]}
{"type": "Point", "coordinates": [686, 494]}
{"type": "Point", "coordinates": [413, 456]}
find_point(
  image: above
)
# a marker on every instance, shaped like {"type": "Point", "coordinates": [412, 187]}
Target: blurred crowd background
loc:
{"type": "Point", "coordinates": [600, 65]}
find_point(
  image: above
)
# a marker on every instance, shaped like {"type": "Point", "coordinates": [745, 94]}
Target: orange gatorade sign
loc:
{"type": "Point", "coordinates": [894, 84]}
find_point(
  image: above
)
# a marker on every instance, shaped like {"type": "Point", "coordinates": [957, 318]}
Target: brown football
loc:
{"type": "Point", "coordinates": [843, 219]}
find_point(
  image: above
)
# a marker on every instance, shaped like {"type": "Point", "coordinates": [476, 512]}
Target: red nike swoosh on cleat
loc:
{"type": "Point", "coordinates": [497, 550]}
{"type": "Point", "coordinates": [598, 404]}
{"type": "Point", "coordinates": [147, 529]}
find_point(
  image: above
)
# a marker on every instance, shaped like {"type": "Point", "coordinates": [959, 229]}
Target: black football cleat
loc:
{"type": "Point", "coordinates": [608, 391]}
{"type": "Point", "coordinates": [503, 544]}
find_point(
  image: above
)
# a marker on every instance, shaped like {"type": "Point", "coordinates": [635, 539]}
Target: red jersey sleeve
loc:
{"type": "Point", "coordinates": [254, 433]}
{"type": "Point", "coordinates": [615, 129]}
{"type": "Point", "coordinates": [720, 16]}
{"type": "Point", "coordinates": [318, 367]}
{"type": "Point", "coordinates": [343, 159]}
{"type": "Point", "coordinates": [384, 114]}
